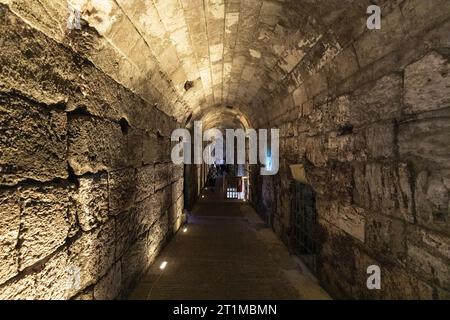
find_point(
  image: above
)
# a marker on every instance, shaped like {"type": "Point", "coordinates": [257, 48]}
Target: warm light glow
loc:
{"type": "Point", "coordinates": [163, 265]}
{"type": "Point", "coordinates": [185, 230]}
{"type": "Point", "coordinates": [203, 197]}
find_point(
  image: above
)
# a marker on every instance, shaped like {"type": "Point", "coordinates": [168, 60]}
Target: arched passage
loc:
{"type": "Point", "coordinates": [87, 114]}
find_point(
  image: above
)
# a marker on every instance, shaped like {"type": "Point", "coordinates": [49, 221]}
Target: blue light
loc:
{"type": "Point", "coordinates": [269, 160]}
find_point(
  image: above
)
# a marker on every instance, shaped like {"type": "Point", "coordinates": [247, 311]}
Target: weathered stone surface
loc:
{"type": "Point", "coordinates": [146, 213]}
{"type": "Point", "coordinates": [135, 147]}
{"type": "Point", "coordinates": [432, 202]}
{"type": "Point", "coordinates": [156, 236]}
{"type": "Point", "coordinates": [108, 288]}
{"type": "Point", "coordinates": [385, 188]}
{"type": "Point", "coordinates": [93, 254]}
{"type": "Point", "coordinates": [95, 145]}
{"type": "Point", "coordinates": [374, 45]}
{"type": "Point", "coordinates": [19, 289]}
{"type": "Point", "coordinates": [92, 201]}
{"type": "Point", "coordinates": [397, 283]}
{"type": "Point", "coordinates": [43, 207]}
{"type": "Point", "coordinates": [55, 279]}
{"type": "Point", "coordinates": [435, 268]}
{"type": "Point", "coordinates": [349, 219]}
{"type": "Point", "coordinates": [9, 234]}
{"type": "Point", "coordinates": [426, 141]}
{"type": "Point", "coordinates": [150, 148]}
{"type": "Point", "coordinates": [427, 84]}
{"type": "Point", "coordinates": [386, 235]}
{"type": "Point", "coordinates": [163, 175]}
{"type": "Point", "coordinates": [376, 101]}
{"type": "Point", "coordinates": [435, 243]}
{"type": "Point", "coordinates": [134, 262]}
{"type": "Point", "coordinates": [33, 141]}
{"type": "Point", "coordinates": [122, 190]}
{"type": "Point", "coordinates": [145, 185]}
{"type": "Point", "coordinates": [380, 141]}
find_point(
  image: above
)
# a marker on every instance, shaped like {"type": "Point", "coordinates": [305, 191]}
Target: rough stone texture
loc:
{"type": "Point", "coordinates": [9, 234]}
{"type": "Point", "coordinates": [92, 201]}
{"type": "Point", "coordinates": [85, 115]}
{"type": "Point", "coordinates": [93, 254]}
{"type": "Point", "coordinates": [122, 190]}
{"type": "Point", "coordinates": [74, 117]}
{"type": "Point", "coordinates": [108, 288]}
{"type": "Point", "coordinates": [427, 84]}
{"type": "Point", "coordinates": [95, 145]}
{"type": "Point", "coordinates": [369, 122]}
{"type": "Point", "coordinates": [42, 207]}
{"type": "Point", "coordinates": [33, 141]}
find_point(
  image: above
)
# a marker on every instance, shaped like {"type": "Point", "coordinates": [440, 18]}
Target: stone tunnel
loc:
{"type": "Point", "coordinates": [91, 202]}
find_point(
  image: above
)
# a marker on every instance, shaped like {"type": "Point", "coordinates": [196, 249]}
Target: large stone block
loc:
{"type": "Point", "coordinates": [379, 100]}
{"type": "Point", "coordinates": [435, 243]}
{"type": "Point", "coordinates": [19, 289]}
{"type": "Point", "coordinates": [337, 250]}
{"type": "Point", "coordinates": [33, 141]}
{"type": "Point", "coordinates": [134, 263]}
{"type": "Point", "coordinates": [135, 147]}
{"type": "Point", "coordinates": [157, 235]}
{"type": "Point", "coordinates": [150, 148]}
{"type": "Point", "coordinates": [45, 222]}
{"type": "Point", "coordinates": [56, 280]}
{"type": "Point", "coordinates": [9, 234]}
{"type": "Point", "coordinates": [426, 141]}
{"type": "Point", "coordinates": [427, 84]}
{"type": "Point", "coordinates": [92, 200]}
{"type": "Point", "coordinates": [386, 235]}
{"type": "Point", "coordinates": [145, 185]}
{"type": "Point", "coordinates": [385, 188]}
{"type": "Point", "coordinates": [434, 268]}
{"type": "Point", "coordinates": [432, 199]}
{"type": "Point", "coordinates": [146, 213]}
{"type": "Point", "coordinates": [334, 182]}
{"type": "Point", "coordinates": [380, 140]}
{"type": "Point", "coordinates": [109, 287]}
{"type": "Point", "coordinates": [122, 190]}
{"type": "Point", "coordinates": [396, 282]}
{"type": "Point", "coordinates": [315, 151]}
{"type": "Point", "coordinates": [93, 253]}
{"type": "Point", "coordinates": [163, 175]}
{"type": "Point", "coordinates": [95, 145]}
{"type": "Point", "coordinates": [374, 45]}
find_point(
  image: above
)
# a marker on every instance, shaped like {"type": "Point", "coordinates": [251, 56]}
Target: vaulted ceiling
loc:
{"type": "Point", "coordinates": [218, 54]}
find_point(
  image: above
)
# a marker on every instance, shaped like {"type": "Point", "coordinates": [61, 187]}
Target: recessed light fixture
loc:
{"type": "Point", "coordinates": [163, 265]}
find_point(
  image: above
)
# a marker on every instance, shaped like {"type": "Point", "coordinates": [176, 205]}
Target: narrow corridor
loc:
{"type": "Point", "coordinates": [334, 116]}
{"type": "Point", "coordinates": [226, 252]}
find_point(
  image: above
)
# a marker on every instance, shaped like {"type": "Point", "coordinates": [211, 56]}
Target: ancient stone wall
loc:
{"type": "Point", "coordinates": [371, 124]}
{"type": "Point", "coordinates": [88, 195]}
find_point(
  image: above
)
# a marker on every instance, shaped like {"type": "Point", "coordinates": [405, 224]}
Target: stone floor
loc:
{"type": "Point", "coordinates": [226, 253]}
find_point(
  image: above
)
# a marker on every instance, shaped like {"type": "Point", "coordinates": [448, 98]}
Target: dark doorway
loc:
{"type": "Point", "coordinates": [304, 224]}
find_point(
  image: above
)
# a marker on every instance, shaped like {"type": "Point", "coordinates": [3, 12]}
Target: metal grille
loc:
{"type": "Point", "coordinates": [304, 220]}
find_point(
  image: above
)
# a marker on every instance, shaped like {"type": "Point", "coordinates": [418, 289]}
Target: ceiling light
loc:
{"type": "Point", "coordinates": [163, 265]}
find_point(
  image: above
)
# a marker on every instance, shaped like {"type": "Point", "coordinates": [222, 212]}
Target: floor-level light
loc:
{"type": "Point", "coordinates": [163, 265]}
